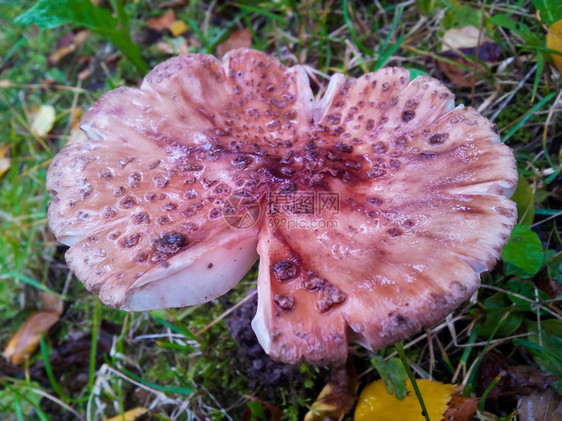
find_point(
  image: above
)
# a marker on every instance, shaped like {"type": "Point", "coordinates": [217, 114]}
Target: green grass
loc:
{"type": "Point", "coordinates": [185, 375]}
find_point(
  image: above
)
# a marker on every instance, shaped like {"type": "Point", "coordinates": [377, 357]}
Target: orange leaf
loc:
{"type": "Point", "coordinates": [461, 408]}
{"type": "Point", "coordinates": [554, 42]}
{"type": "Point", "coordinates": [162, 22]}
{"type": "Point", "coordinates": [25, 341]}
{"type": "Point", "coordinates": [239, 39]}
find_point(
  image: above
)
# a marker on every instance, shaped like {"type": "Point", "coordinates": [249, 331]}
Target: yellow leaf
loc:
{"type": "Point", "coordinates": [178, 28]}
{"type": "Point", "coordinates": [554, 42]}
{"type": "Point", "coordinates": [25, 341]}
{"type": "Point", "coordinates": [130, 415]}
{"type": "Point", "coordinates": [375, 403]}
{"type": "Point", "coordinates": [43, 120]}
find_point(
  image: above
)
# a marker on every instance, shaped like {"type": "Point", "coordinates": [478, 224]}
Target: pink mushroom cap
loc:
{"type": "Point", "coordinates": [373, 208]}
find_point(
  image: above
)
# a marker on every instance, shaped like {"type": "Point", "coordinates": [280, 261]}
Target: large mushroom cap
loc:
{"type": "Point", "coordinates": [373, 210]}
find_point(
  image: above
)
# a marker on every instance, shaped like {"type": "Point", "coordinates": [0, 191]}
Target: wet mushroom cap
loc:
{"type": "Point", "coordinates": [373, 209]}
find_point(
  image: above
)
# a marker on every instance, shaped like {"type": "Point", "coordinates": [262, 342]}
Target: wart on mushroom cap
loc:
{"type": "Point", "coordinates": [147, 204]}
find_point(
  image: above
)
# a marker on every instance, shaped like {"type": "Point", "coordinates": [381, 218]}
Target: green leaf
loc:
{"type": "Point", "coordinates": [524, 249]}
{"type": "Point", "coordinates": [414, 73]}
{"type": "Point", "coordinates": [393, 374]}
{"type": "Point", "coordinates": [551, 10]}
{"type": "Point", "coordinates": [427, 7]}
{"type": "Point", "coordinates": [52, 13]}
{"type": "Point", "coordinates": [495, 308]}
{"type": "Point", "coordinates": [258, 414]}
{"type": "Point", "coordinates": [526, 289]}
{"type": "Point", "coordinates": [124, 43]}
{"type": "Point", "coordinates": [505, 21]}
{"type": "Point", "coordinates": [167, 389]}
{"type": "Point", "coordinates": [554, 265]}
{"type": "Point", "coordinates": [524, 198]}
{"type": "Point", "coordinates": [462, 14]}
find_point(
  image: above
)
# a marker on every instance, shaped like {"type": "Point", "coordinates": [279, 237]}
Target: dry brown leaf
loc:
{"type": "Point", "coordinates": [84, 74]}
{"type": "Point", "coordinates": [239, 39]}
{"type": "Point", "coordinates": [69, 46]}
{"type": "Point", "coordinates": [43, 120]}
{"type": "Point", "coordinates": [5, 160]}
{"type": "Point", "coordinates": [162, 22]}
{"type": "Point", "coordinates": [178, 27]}
{"type": "Point", "coordinates": [460, 42]}
{"type": "Point", "coordinates": [51, 302]}
{"type": "Point", "coordinates": [25, 341]}
{"type": "Point", "coordinates": [554, 42]}
{"type": "Point", "coordinates": [541, 406]}
{"type": "Point", "coordinates": [130, 415]}
{"type": "Point", "coordinates": [461, 408]}
{"type": "Point", "coordinates": [338, 396]}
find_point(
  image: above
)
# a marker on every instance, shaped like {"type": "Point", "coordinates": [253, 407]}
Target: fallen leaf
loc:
{"type": "Point", "coordinates": [554, 42]}
{"type": "Point", "coordinates": [25, 341]}
{"type": "Point", "coordinates": [375, 403]}
{"type": "Point", "coordinates": [69, 45]}
{"type": "Point", "coordinates": [76, 134]}
{"type": "Point", "coordinates": [51, 302]}
{"type": "Point", "coordinates": [84, 74]}
{"type": "Point", "coordinates": [517, 381]}
{"type": "Point", "coordinates": [338, 396]}
{"type": "Point", "coordinates": [43, 120]}
{"type": "Point", "coordinates": [258, 409]}
{"type": "Point", "coordinates": [239, 39]}
{"type": "Point", "coordinates": [71, 358]}
{"type": "Point", "coordinates": [461, 408]}
{"type": "Point", "coordinates": [173, 47]}
{"type": "Point", "coordinates": [460, 42]}
{"type": "Point", "coordinates": [162, 22]}
{"type": "Point", "coordinates": [541, 406]}
{"type": "Point", "coordinates": [130, 415]}
{"type": "Point", "coordinates": [465, 37]}
{"type": "Point", "coordinates": [5, 160]}
{"type": "Point", "coordinates": [178, 27]}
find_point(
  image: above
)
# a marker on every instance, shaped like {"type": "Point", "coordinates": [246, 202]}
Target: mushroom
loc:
{"type": "Point", "coordinates": [373, 209]}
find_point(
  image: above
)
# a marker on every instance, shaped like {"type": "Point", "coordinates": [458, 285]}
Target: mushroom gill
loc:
{"type": "Point", "coordinates": [373, 210]}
